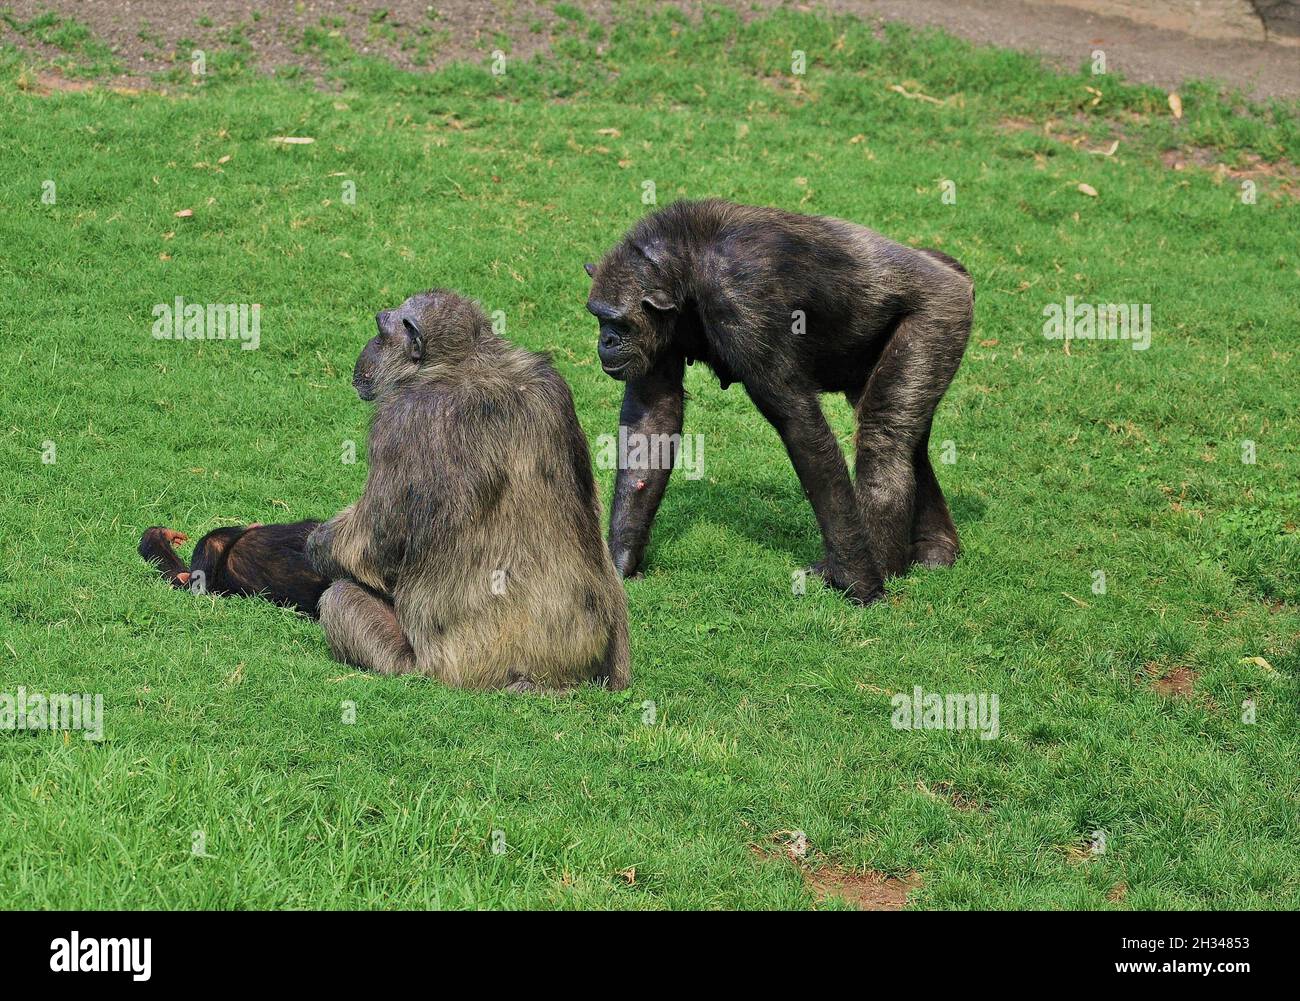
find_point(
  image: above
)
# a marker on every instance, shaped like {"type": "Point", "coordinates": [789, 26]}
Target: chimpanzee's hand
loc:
{"type": "Point", "coordinates": [318, 547]}
{"type": "Point", "coordinates": [626, 561]}
{"type": "Point", "coordinates": [859, 588]}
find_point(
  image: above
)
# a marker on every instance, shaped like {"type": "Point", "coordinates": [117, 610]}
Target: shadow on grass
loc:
{"type": "Point", "coordinates": [767, 512]}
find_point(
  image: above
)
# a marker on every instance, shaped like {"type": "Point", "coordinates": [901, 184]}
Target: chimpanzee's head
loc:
{"type": "Point", "coordinates": [431, 328]}
{"type": "Point", "coordinates": [637, 313]}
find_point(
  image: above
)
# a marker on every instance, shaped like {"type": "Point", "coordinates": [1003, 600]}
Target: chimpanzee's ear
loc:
{"type": "Point", "coordinates": [415, 340]}
{"type": "Point", "coordinates": [658, 299]}
{"type": "Point", "coordinates": [654, 250]}
{"type": "Point", "coordinates": [590, 269]}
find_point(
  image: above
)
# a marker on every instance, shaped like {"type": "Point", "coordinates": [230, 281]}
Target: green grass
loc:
{"type": "Point", "coordinates": [772, 712]}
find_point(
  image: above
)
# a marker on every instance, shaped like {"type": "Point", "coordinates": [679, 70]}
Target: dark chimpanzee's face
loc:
{"type": "Point", "coordinates": [428, 328]}
{"type": "Point", "coordinates": [636, 321]}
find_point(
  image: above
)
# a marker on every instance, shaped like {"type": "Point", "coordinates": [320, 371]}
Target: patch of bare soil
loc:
{"type": "Point", "coordinates": [43, 84]}
{"type": "Point", "coordinates": [867, 891]}
{"type": "Point", "coordinates": [1282, 174]}
{"type": "Point", "coordinates": [1175, 682]}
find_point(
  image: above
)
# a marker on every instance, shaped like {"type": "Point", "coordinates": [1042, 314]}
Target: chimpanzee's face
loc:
{"type": "Point", "coordinates": [635, 322]}
{"type": "Point", "coordinates": [429, 320]}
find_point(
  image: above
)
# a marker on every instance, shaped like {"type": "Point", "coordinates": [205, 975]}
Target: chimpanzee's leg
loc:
{"type": "Point", "coordinates": [156, 548]}
{"type": "Point", "coordinates": [819, 463]}
{"type": "Point", "coordinates": [894, 418]}
{"type": "Point", "coordinates": [934, 536]}
{"type": "Point", "coordinates": [362, 629]}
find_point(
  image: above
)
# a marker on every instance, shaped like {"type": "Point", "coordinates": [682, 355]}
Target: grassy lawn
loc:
{"type": "Point", "coordinates": [753, 712]}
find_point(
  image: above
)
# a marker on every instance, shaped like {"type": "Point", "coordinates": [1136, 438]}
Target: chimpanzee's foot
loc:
{"type": "Point", "coordinates": [934, 553]}
{"type": "Point", "coordinates": [818, 570]}
{"type": "Point", "coordinates": [158, 534]}
{"type": "Point", "coordinates": [156, 547]}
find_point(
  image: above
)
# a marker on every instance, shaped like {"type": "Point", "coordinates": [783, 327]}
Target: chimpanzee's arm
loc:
{"type": "Point", "coordinates": [356, 544]}
{"type": "Point", "coordinates": [819, 463]}
{"type": "Point", "coordinates": [652, 405]}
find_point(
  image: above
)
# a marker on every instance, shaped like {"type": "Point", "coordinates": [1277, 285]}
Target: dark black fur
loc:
{"type": "Point", "coordinates": [267, 561]}
{"type": "Point", "coordinates": [883, 323]}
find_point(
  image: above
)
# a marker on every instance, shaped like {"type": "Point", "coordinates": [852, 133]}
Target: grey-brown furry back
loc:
{"type": "Point", "coordinates": [479, 524]}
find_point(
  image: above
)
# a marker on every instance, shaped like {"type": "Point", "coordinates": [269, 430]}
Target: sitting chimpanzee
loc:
{"type": "Point", "coordinates": [267, 561]}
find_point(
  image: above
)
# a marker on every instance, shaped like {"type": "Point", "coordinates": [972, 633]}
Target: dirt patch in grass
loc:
{"type": "Point", "coordinates": [43, 84]}
{"type": "Point", "coordinates": [1174, 682]}
{"type": "Point", "coordinates": [867, 891]}
{"type": "Point", "coordinates": [1070, 133]}
{"type": "Point", "coordinates": [1280, 175]}
{"type": "Point", "coordinates": [1283, 174]}
{"type": "Point", "coordinates": [1195, 156]}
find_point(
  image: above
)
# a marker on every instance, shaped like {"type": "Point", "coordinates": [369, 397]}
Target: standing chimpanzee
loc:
{"type": "Point", "coordinates": [267, 561]}
{"type": "Point", "coordinates": [791, 306]}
